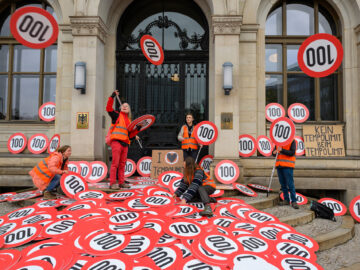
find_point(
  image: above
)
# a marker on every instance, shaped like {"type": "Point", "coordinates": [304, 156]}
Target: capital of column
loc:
{"type": "Point", "coordinates": [357, 31]}
{"type": "Point", "coordinates": [226, 25]}
{"type": "Point", "coordinates": [89, 26]}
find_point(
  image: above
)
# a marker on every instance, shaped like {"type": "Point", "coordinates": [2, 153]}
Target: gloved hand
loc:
{"type": "Point", "coordinates": [138, 127]}
{"type": "Point", "coordinates": [113, 94]}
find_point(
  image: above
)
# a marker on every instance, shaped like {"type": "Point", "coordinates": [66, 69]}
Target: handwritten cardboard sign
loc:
{"type": "Point", "coordinates": [324, 140]}
{"type": "Point", "coordinates": [166, 160]}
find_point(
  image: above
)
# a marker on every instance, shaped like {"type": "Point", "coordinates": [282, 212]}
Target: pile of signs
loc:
{"type": "Point", "coordinates": [145, 228]}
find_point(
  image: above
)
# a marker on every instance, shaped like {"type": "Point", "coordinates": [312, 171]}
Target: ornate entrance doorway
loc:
{"type": "Point", "coordinates": [182, 31]}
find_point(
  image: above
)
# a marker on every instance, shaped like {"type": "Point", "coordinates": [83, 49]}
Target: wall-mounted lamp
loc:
{"type": "Point", "coordinates": [227, 74]}
{"type": "Point", "coordinates": [80, 76]}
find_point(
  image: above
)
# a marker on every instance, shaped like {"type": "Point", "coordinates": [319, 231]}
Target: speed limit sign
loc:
{"type": "Point", "coordinates": [205, 132]}
{"type": "Point", "coordinates": [354, 208]}
{"type": "Point", "coordinates": [205, 163]}
{"type": "Point", "coordinates": [144, 166]}
{"type": "Point", "coordinates": [298, 112]}
{"type": "Point", "coordinates": [130, 167]}
{"type": "Point", "coordinates": [320, 55]}
{"type": "Point", "coordinates": [282, 131]}
{"type": "Point", "coordinates": [34, 27]}
{"type": "Point", "coordinates": [72, 183]}
{"type": "Point", "coordinates": [54, 143]}
{"type": "Point", "coordinates": [38, 143]}
{"type": "Point", "coordinates": [247, 145]}
{"type": "Point", "coordinates": [98, 171]}
{"type": "Point", "coordinates": [274, 111]}
{"type": "Point", "coordinates": [300, 146]}
{"type": "Point", "coordinates": [227, 172]}
{"type": "Point", "coordinates": [152, 49]}
{"type": "Point", "coordinates": [47, 112]}
{"type": "Point", "coordinates": [17, 143]}
{"type": "Point", "coordinates": [264, 145]}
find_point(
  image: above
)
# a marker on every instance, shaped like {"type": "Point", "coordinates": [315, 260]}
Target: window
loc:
{"type": "Point", "coordinates": [27, 76]}
{"type": "Point", "coordinates": [287, 26]}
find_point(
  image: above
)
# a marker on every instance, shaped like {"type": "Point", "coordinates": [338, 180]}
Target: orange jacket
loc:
{"type": "Point", "coordinates": [120, 131]}
{"type": "Point", "coordinates": [188, 142]}
{"type": "Point", "coordinates": [45, 170]}
{"type": "Point", "coordinates": [285, 160]}
{"type": "Point", "coordinates": [208, 181]}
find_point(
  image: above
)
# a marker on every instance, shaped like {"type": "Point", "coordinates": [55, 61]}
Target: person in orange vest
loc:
{"type": "Point", "coordinates": [189, 145]}
{"type": "Point", "coordinates": [119, 140]}
{"type": "Point", "coordinates": [47, 173]}
{"type": "Point", "coordinates": [196, 186]}
{"type": "Point", "coordinates": [285, 164]}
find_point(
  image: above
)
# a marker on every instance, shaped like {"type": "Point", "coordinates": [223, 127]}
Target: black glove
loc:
{"type": "Point", "coordinates": [113, 94]}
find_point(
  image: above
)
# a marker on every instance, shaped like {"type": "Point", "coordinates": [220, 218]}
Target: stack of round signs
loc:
{"type": "Point", "coordinates": [146, 229]}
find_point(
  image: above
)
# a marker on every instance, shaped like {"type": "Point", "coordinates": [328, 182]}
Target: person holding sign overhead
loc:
{"type": "Point", "coordinates": [189, 145]}
{"type": "Point", "coordinates": [285, 164]}
{"type": "Point", "coordinates": [196, 185]}
{"type": "Point", "coordinates": [119, 140]}
{"type": "Point", "coordinates": [47, 173]}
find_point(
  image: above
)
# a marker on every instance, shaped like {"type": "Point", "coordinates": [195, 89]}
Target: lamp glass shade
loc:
{"type": "Point", "coordinates": [80, 75]}
{"type": "Point", "coordinates": [227, 69]}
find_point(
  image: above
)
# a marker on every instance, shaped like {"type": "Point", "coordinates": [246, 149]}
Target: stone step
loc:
{"type": "Point", "coordinates": [355, 266]}
{"type": "Point", "coordinates": [298, 219]}
{"type": "Point", "coordinates": [5, 170]}
{"type": "Point", "coordinates": [16, 181]}
{"type": "Point", "coordinates": [299, 172]}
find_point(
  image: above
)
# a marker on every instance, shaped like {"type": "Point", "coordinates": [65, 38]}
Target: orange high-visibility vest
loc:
{"type": "Point", "coordinates": [120, 131]}
{"type": "Point", "coordinates": [208, 181]}
{"type": "Point", "coordinates": [285, 160]}
{"type": "Point", "coordinates": [42, 169]}
{"type": "Point", "coordinates": [188, 142]}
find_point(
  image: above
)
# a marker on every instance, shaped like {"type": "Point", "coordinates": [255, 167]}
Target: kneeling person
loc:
{"type": "Point", "coordinates": [196, 186]}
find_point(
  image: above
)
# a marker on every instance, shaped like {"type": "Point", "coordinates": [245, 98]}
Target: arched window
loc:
{"type": "Point", "coordinates": [27, 76]}
{"type": "Point", "coordinates": [287, 26]}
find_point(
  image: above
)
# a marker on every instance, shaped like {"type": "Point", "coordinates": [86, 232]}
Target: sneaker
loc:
{"type": "Point", "coordinates": [114, 186]}
{"type": "Point", "coordinates": [124, 185]}
{"type": "Point", "coordinates": [207, 211]}
{"type": "Point", "coordinates": [49, 195]}
{"type": "Point", "coordinates": [295, 205]}
{"type": "Point", "coordinates": [213, 200]}
{"type": "Point", "coordinates": [284, 202]}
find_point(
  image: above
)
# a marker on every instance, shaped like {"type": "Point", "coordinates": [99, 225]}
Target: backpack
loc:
{"type": "Point", "coordinates": [322, 211]}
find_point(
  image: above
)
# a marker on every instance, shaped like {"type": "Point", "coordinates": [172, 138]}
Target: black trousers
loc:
{"type": "Point", "coordinates": [202, 195]}
{"type": "Point", "coordinates": [191, 153]}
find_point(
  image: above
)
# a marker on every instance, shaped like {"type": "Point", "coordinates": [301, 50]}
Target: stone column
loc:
{"type": "Point", "coordinates": [89, 36]}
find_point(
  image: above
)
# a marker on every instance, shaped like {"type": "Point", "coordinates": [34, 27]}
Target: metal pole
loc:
{"type": "Point", "coordinates": [198, 154]}
{"type": "Point", "coordinates": [272, 174]}
{"type": "Point", "coordinates": [117, 97]}
{"type": "Point", "coordinates": [139, 143]}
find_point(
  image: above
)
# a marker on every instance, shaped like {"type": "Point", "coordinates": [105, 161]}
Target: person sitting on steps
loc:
{"type": "Point", "coordinates": [196, 185]}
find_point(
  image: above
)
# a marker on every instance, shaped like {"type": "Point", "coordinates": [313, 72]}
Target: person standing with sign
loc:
{"type": "Point", "coordinates": [196, 185]}
{"type": "Point", "coordinates": [189, 145]}
{"type": "Point", "coordinates": [119, 140]}
{"type": "Point", "coordinates": [47, 173]}
{"type": "Point", "coordinates": [285, 164]}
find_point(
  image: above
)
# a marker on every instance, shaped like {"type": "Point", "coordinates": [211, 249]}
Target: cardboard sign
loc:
{"type": "Point", "coordinates": [152, 50]}
{"type": "Point", "coordinates": [324, 140]}
{"type": "Point", "coordinates": [320, 55]}
{"type": "Point", "coordinates": [54, 143]}
{"type": "Point", "coordinates": [34, 27]}
{"type": "Point", "coordinates": [274, 111]}
{"type": "Point", "coordinates": [17, 143]}
{"type": "Point", "coordinates": [38, 143]}
{"type": "Point", "coordinates": [166, 160]}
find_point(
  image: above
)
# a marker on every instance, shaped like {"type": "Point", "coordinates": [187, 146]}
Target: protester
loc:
{"type": "Point", "coordinates": [285, 164]}
{"type": "Point", "coordinates": [196, 186]}
{"type": "Point", "coordinates": [47, 173]}
{"type": "Point", "coordinates": [119, 140]}
{"type": "Point", "coordinates": [188, 142]}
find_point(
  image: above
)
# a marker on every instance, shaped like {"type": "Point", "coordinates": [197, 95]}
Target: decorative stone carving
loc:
{"type": "Point", "coordinates": [357, 31]}
{"type": "Point", "coordinates": [229, 25]}
{"type": "Point", "coordinates": [66, 32]}
{"type": "Point", "coordinates": [89, 26]}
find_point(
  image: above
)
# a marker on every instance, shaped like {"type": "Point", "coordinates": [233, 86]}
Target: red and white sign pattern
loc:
{"type": "Point", "coordinates": [227, 172]}
{"type": "Point", "coordinates": [17, 143]}
{"type": "Point", "coordinates": [38, 143]}
{"type": "Point", "coordinates": [247, 145]}
{"type": "Point", "coordinates": [47, 112]}
{"type": "Point", "coordinates": [274, 111]}
{"type": "Point", "coordinates": [144, 166]}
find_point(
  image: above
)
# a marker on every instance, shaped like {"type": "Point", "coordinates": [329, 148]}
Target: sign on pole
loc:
{"type": "Point", "coordinates": [282, 131]}
{"type": "Point", "coordinates": [205, 132]}
{"type": "Point", "coordinates": [320, 55]}
{"type": "Point", "coordinates": [34, 27]}
{"type": "Point", "coordinates": [152, 50]}
{"type": "Point", "coordinates": [143, 122]}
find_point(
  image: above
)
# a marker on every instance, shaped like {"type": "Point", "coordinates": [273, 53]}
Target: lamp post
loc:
{"type": "Point", "coordinates": [80, 76]}
{"type": "Point", "coordinates": [227, 74]}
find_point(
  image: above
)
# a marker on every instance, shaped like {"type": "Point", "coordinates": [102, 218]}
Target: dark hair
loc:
{"type": "Point", "coordinates": [63, 148]}
{"type": "Point", "coordinates": [190, 168]}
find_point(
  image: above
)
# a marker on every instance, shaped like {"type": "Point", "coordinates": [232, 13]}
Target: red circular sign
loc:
{"type": "Point", "coordinates": [300, 146]}
{"type": "Point", "coordinates": [98, 171]}
{"type": "Point", "coordinates": [17, 143]}
{"type": "Point", "coordinates": [300, 199]}
{"type": "Point", "coordinates": [34, 27]}
{"type": "Point", "coordinates": [274, 111]}
{"type": "Point", "coordinates": [144, 166]}
{"type": "Point", "coordinates": [264, 145]}
{"type": "Point", "coordinates": [247, 145]}
{"type": "Point", "coordinates": [54, 143]}
{"type": "Point", "coordinates": [38, 143]}
{"type": "Point", "coordinates": [152, 50]}
{"type": "Point", "coordinates": [144, 122]}
{"type": "Point", "coordinates": [84, 168]}
{"type": "Point", "coordinates": [227, 172]}
{"type": "Point", "coordinates": [244, 189]}
{"type": "Point", "coordinates": [354, 208]}
{"type": "Point", "coordinates": [320, 55]}
{"type": "Point", "coordinates": [74, 167]}
{"type": "Point", "coordinates": [205, 133]}
{"type": "Point", "coordinates": [72, 183]}
{"type": "Point", "coordinates": [282, 131]}
{"type": "Point", "coordinates": [47, 112]}
{"type": "Point", "coordinates": [298, 112]}
{"type": "Point", "coordinates": [130, 167]}
{"type": "Point", "coordinates": [166, 177]}
{"type": "Point", "coordinates": [259, 187]}
{"type": "Point", "coordinates": [205, 163]}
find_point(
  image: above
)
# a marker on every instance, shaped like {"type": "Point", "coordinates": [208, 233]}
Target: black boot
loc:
{"type": "Point", "coordinates": [207, 211]}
